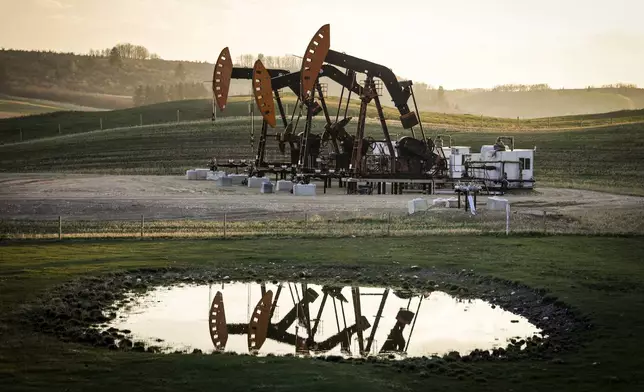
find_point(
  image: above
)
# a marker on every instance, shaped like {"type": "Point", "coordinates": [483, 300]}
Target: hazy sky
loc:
{"type": "Point", "coordinates": [456, 43]}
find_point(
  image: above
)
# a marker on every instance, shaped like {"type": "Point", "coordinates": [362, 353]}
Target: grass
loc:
{"type": "Point", "coordinates": [11, 107]}
{"type": "Point", "coordinates": [308, 225]}
{"type": "Point", "coordinates": [71, 122]}
{"type": "Point", "coordinates": [601, 158]}
{"type": "Point", "coordinates": [601, 277]}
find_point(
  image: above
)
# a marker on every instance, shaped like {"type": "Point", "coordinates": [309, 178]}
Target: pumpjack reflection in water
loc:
{"type": "Point", "coordinates": [259, 328]}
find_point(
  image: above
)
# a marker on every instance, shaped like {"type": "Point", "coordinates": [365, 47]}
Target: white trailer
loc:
{"type": "Point", "coordinates": [497, 166]}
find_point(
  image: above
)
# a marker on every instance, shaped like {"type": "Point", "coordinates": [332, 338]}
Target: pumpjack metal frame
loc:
{"type": "Point", "coordinates": [410, 158]}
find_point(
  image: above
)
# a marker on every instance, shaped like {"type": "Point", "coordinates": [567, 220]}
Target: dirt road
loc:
{"type": "Point", "coordinates": [46, 196]}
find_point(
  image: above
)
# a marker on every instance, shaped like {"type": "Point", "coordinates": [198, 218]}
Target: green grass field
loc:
{"type": "Point", "coordinates": [18, 107]}
{"type": "Point", "coordinates": [609, 157]}
{"type": "Point", "coordinates": [601, 277]}
{"type": "Point", "coordinates": [46, 125]}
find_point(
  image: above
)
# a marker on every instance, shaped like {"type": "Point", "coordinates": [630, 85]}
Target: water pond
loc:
{"type": "Point", "coordinates": [310, 319]}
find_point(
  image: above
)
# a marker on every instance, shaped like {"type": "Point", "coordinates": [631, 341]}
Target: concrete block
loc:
{"type": "Point", "coordinates": [237, 178]}
{"type": "Point", "coordinates": [256, 182]}
{"type": "Point", "coordinates": [284, 186]}
{"type": "Point", "coordinates": [440, 202]}
{"type": "Point", "coordinates": [267, 187]}
{"type": "Point", "coordinates": [224, 181]}
{"type": "Point", "coordinates": [416, 205]}
{"type": "Point", "coordinates": [304, 189]}
{"type": "Point", "coordinates": [202, 174]}
{"type": "Point", "coordinates": [497, 203]}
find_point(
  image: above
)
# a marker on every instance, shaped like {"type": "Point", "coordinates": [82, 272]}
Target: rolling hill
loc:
{"type": "Point", "coordinates": [47, 125]}
{"type": "Point", "coordinates": [95, 82]}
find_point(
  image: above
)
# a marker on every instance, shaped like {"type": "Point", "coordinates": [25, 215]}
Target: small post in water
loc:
{"type": "Point", "coordinates": [178, 116]}
{"type": "Point", "coordinates": [142, 221]}
{"type": "Point", "coordinates": [389, 225]}
{"type": "Point", "coordinates": [101, 122]}
{"type": "Point", "coordinates": [507, 219]}
{"type": "Point", "coordinates": [59, 129]}
{"type": "Point", "coordinates": [141, 120]}
{"type": "Point", "coordinates": [306, 222]}
{"type": "Point", "coordinates": [20, 134]}
{"type": "Point", "coordinates": [60, 227]}
{"type": "Point", "coordinates": [544, 221]}
{"type": "Point", "coordinates": [225, 219]}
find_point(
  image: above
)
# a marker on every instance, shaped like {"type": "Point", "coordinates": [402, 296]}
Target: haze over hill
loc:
{"type": "Point", "coordinates": [99, 80]}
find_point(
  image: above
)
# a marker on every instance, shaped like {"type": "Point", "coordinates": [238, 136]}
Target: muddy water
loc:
{"type": "Point", "coordinates": [409, 324]}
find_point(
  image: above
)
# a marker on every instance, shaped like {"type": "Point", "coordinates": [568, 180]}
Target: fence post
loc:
{"type": "Point", "coordinates": [142, 225]}
{"type": "Point", "coordinates": [60, 227]}
{"type": "Point", "coordinates": [225, 219]}
{"type": "Point", "coordinates": [59, 129]}
{"type": "Point", "coordinates": [101, 119]}
{"type": "Point", "coordinates": [306, 222]}
{"type": "Point", "coordinates": [544, 221]}
{"type": "Point", "coordinates": [141, 120]}
{"type": "Point", "coordinates": [178, 116]}
{"type": "Point", "coordinates": [507, 219]}
{"type": "Point", "coordinates": [389, 225]}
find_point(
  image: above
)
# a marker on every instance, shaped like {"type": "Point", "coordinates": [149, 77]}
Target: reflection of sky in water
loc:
{"type": "Point", "coordinates": [179, 316]}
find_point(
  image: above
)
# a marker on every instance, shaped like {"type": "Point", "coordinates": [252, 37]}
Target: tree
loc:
{"type": "Point", "coordinates": [139, 96]}
{"type": "Point", "coordinates": [440, 95]}
{"type": "Point", "coordinates": [180, 72]}
{"type": "Point", "coordinates": [115, 57]}
{"type": "Point", "coordinates": [4, 77]}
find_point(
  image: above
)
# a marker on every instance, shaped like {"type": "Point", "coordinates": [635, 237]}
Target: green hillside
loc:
{"type": "Point", "coordinates": [589, 158]}
{"type": "Point", "coordinates": [19, 107]}
{"type": "Point", "coordinates": [46, 125]}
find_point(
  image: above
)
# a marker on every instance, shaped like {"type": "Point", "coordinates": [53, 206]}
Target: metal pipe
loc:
{"type": "Point", "coordinates": [378, 316]}
{"type": "Point", "coordinates": [277, 295]}
{"type": "Point", "coordinates": [317, 319]}
{"type": "Point", "coordinates": [420, 122]}
{"type": "Point", "coordinates": [414, 323]}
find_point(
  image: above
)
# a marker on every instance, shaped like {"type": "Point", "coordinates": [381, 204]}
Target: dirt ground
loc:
{"type": "Point", "coordinates": [75, 196]}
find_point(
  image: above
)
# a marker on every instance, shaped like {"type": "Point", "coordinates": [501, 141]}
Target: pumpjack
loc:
{"type": "Point", "coordinates": [357, 155]}
{"type": "Point", "coordinates": [259, 328]}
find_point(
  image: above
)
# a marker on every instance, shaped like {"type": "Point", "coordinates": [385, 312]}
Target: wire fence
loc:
{"type": "Point", "coordinates": [434, 221]}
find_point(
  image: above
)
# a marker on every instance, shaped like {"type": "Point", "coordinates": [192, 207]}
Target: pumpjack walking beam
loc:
{"type": "Point", "coordinates": [399, 91]}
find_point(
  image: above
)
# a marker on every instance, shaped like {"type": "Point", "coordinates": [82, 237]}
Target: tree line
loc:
{"type": "Point", "coordinates": [289, 63]}
{"type": "Point", "coordinates": [148, 94]}
{"type": "Point", "coordinates": [125, 51]}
